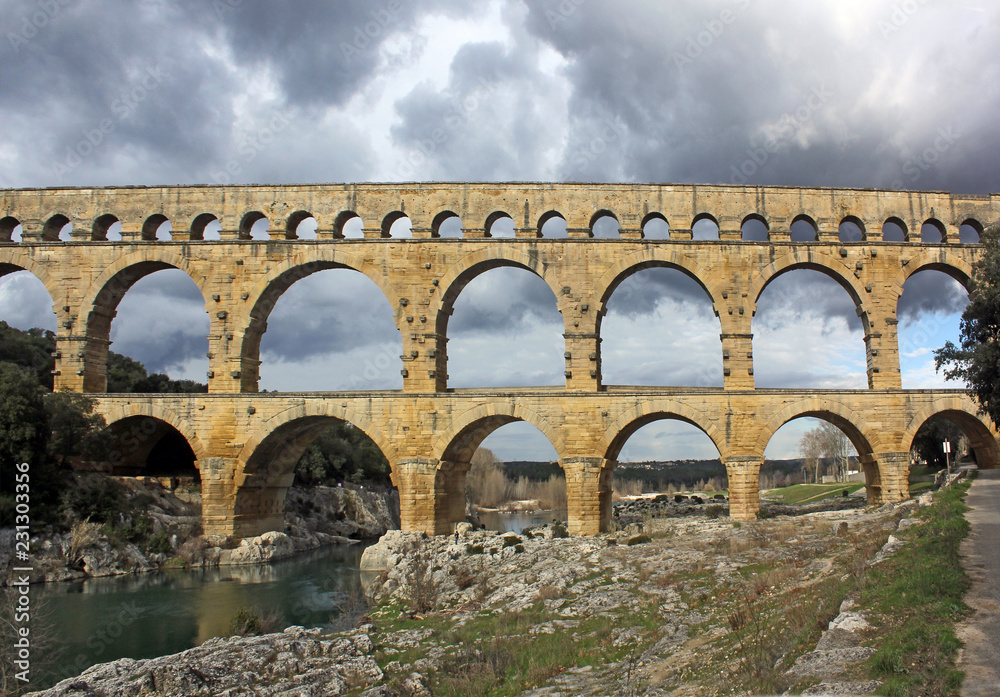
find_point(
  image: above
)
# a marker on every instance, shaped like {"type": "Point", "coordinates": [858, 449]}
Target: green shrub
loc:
{"type": "Point", "coordinates": [473, 549]}
{"type": "Point", "coordinates": [639, 539]}
{"type": "Point", "coordinates": [511, 540]}
{"type": "Point", "coordinates": [559, 530]}
{"type": "Point", "coordinates": [159, 543]}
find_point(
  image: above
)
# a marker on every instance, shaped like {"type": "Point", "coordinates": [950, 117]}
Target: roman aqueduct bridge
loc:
{"type": "Point", "coordinates": [246, 442]}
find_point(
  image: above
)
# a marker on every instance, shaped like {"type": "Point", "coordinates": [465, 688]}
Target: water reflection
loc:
{"type": "Point", "coordinates": [518, 521]}
{"type": "Point", "coordinates": [149, 615]}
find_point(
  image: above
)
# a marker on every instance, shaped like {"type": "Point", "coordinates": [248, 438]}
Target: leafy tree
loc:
{"type": "Point", "coordinates": [31, 349]}
{"type": "Point", "coordinates": [23, 421]}
{"type": "Point", "coordinates": [342, 453]}
{"type": "Point", "coordinates": [75, 430]}
{"type": "Point", "coordinates": [128, 375]}
{"type": "Point", "coordinates": [930, 438]}
{"type": "Point", "coordinates": [977, 361]}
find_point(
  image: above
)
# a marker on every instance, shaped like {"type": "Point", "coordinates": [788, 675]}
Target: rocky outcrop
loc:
{"type": "Point", "coordinates": [295, 662]}
{"type": "Point", "coordinates": [314, 517]}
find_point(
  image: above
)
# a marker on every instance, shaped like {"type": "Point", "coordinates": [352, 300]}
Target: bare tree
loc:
{"type": "Point", "coordinates": [812, 450]}
{"type": "Point", "coordinates": [830, 442]}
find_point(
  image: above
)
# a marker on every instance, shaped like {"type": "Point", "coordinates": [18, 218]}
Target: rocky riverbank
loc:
{"type": "Point", "coordinates": [686, 606]}
{"type": "Point", "coordinates": [163, 530]}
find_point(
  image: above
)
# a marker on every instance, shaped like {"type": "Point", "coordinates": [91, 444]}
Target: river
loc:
{"type": "Point", "coordinates": [155, 614]}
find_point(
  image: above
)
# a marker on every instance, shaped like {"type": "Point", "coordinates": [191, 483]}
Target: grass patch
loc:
{"type": "Point", "coordinates": [915, 599]}
{"type": "Point", "coordinates": [810, 493]}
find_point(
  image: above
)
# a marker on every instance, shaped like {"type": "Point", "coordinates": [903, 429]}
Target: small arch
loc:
{"type": "Point", "coordinates": [102, 226]}
{"type": "Point", "coordinates": [348, 225]}
{"type": "Point", "coordinates": [298, 226]}
{"type": "Point", "coordinates": [446, 224]}
{"type": "Point", "coordinates": [200, 226]}
{"type": "Point", "coordinates": [970, 232]}
{"type": "Point", "coordinates": [604, 225]}
{"type": "Point", "coordinates": [156, 227]}
{"type": "Point", "coordinates": [894, 230]}
{"type": "Point", "coordinates": [552, 224]}
{"type": "Point", "coordinates": [499, 224]}
{"type": "Point", "coordinates": [851, 229]}
{"type": "Point", "coordinates": [251, 227]}
{"type": "Point", "coordinates": [932, 231]}
{"type": "Point", "coordinates": [396, 224]}
{"type": "Point", "coordinates": [704, 227]}
{"type": "Point", "coordinates": [655, 227]}
{"type": "Point", "coordinates": [803, 229]}
{"type": "Point", "coordinates": [57, 228]}
{"type": "Point", "coordinates": [754, 228]}
{"type": "Point", "coordinates": [8, 227]}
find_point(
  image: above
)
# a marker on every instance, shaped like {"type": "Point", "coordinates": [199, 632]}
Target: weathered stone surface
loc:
{"type": "Point", "coordinates": [294, 662]}
{"type": "Point", "coordinates": [246, 443]}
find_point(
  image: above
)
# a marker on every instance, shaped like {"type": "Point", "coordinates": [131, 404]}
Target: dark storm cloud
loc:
{"type": "Point", "coordinates": [930, 292]}
{"type": "Point", "coordinates": [733, 92]}
{"type": "Point", "coordinates": [804, 294]}
{"type": "Point", "coordinates": [640, 293]}
{"type": "Point", "coordinates": [503, 300]}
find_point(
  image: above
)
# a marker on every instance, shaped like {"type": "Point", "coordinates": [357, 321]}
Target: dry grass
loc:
{"type": "Point", "coordinates": [84, 534]}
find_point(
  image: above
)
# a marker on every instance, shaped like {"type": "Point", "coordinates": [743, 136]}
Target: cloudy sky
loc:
{"type": "Point", "coordinates": [857, 93]}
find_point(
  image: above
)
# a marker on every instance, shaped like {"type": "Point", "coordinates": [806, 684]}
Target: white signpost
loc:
{"type": "Point", "coordinates": [947, 459]}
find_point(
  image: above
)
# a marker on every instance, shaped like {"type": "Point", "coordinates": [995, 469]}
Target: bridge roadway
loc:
{"type": "Point", "coordinates": [870, 242]}
{"type": "Point", "coordinates": [247, 445]}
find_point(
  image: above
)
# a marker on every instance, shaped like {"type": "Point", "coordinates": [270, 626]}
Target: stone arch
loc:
{"type": "Point", "coordinates": [115, 411]}
{"type": "Point", "coordinates": [897, 221]}
{"type": "Point", "coordinates": [440, 219]}
{"type": "Point", "coordinates": [493, 218]}
{"type": "Point", "coordinates": [247, 222]}
{"type": "Point", "coordinates": [199, 223]}
{"type": "Point", "coordinates": [341, 220]}
{"type": "Point", "coordinates": [7, 226]}
{"type": "Point", "coordinates": [14, 259]}
{"type": "Point", "coordinates": [389, 220]}
{"type": "Point", "coordinates": [151, 225]}
{"type": "Point", "coordinates": [647, 258]}
{"type": "Point", "coordinates": [463, 272]}
{"type": "Point", "coordinates": [103, 223]}
{"type": "Point", "coordinates": [808, 220]}
{"type": "Point", "coordinates": [53, 226]}
{"type": "Point", "coordinates": [598, 215]}
{"type": "Point", "coordinates": [100, 303]}
{"type": "Point", "coordinates": [938, 260]}
{"type": "Point", "coordinates": [814, 261]}
{"type": "Point", "coordinates": [468, 429]}
{"type": "Point", "coordinates": [292, 223]}
{"type": "Point", "coordinates": [963, 411]}
{"type": "Point", "coordinates": [977, 226]}
{"type": "Point", "coordinates": [280, 278]}
{"type": "Point", "coordinates": [630, 421]}
{"type": "Point", "coordinates": [856, 222]}
{"type": "Point", "coordinates": [266, 463]}
{"type": "Point", "coordinates": [546, 217]}
{"type": "Point", "coordinates": [855, 425]}
{"type": "Point", "coordinates": [938, 227]}
{"type": "Point", "coordinates": [754, 217]}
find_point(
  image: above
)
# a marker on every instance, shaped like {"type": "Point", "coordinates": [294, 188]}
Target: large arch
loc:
{"type": "Point", "coordinates": [266, 463]}
{"type": "Point", "coordinates": [140, 441]}
{"type": "Point", "coordinates": [937, 260]}
{"type": "Point", "coordinates": [268, 291]}
{"type": "Point", "coordinates": [117, 411]}
{"type": "Point", "coordinates": [867, 441]}
{"type": "Point", "coordinates": [454, 448]}
{"type": "Point", "coordinates": [462, 273]}
{"type": "Point", "coordinates": [812, 261]}
{"type": "Point", "coordinates": [630, 421]}
{"type": "Point", "coordinates": [105, 293]}
{"type": "Point", "coordinates": [961, 410]}
{"type": "Point", "coordinates": [14, 259]}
